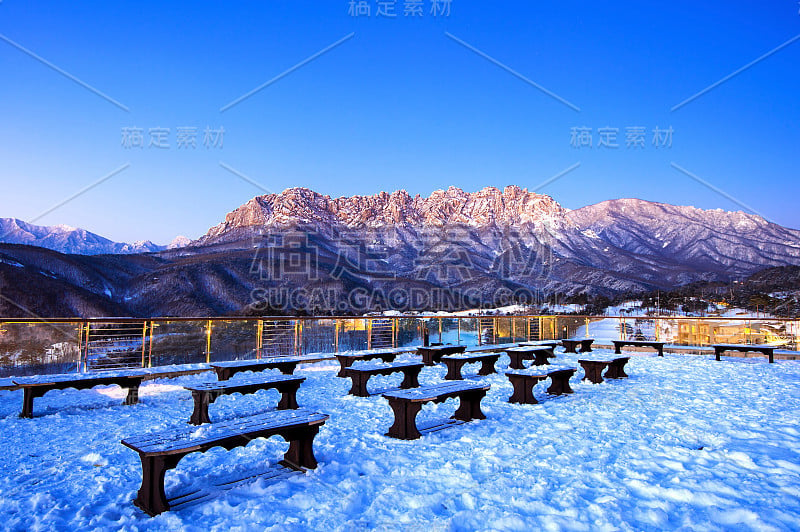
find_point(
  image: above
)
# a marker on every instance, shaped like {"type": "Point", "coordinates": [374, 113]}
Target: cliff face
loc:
{"type": "Point", "coordinates": [511, 206]}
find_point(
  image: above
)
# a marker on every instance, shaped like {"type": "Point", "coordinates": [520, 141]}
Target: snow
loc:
{"type": "Point", "coordinates": [685, 443]}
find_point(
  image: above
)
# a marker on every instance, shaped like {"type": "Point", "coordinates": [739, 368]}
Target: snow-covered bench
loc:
{"type": "Point", "coordinates": [619, 344]}
{"type": "Point", "coordinates": [360, 375]}
{"type": "Point", "coordinates": [162, 451]}
{"type": "Point", "coordinates": [226, 370]}
{"type": "Point", "coordinates": [766, 350]}
{"type": "Point", "coordinates": [433, 354]}
{"type": "Point", "coordinates": [524, 381]}
{"type": "Point", "coordinates": [571, 344]}
{"type": "Point", "coordinates": [539, 355]}
{"type": "Point", "coordinates": [454, 364]}
{"type": "Point", "coordinates": [206, 393]}
{"type": "Point", "coordinates": [406, 404]}
{"type": "Point", "coordinates": [346, 359]}
{"type": "Point", "coordinates": [594, 367]}
{"type": "Point", "coordinates": [34, 387]}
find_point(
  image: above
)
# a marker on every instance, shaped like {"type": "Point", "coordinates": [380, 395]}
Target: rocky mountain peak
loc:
{"type": "Point", "coordinates": [511, 206]}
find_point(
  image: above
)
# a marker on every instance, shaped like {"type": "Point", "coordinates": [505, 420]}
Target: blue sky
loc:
{"type": "Point", "coordinates": [399, 104]}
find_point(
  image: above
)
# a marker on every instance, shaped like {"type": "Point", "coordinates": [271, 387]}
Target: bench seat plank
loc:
{"type": "Point", "coordinates": [226, 370]}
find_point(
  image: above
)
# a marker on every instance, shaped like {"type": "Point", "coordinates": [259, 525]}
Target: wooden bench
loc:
{"type": "Point", "coordinates": [571, 344]}
{"type": "Point", "coordinates": [162, 451]}
{"type": "Point", "coordinates": [360, 375]}
{"type": "Point", "coordinates": [619, 344]}
{"type": "Point", "coordinates": [433, 354]}
{"type": "Point", "coordinates": [207, 393]}
{"type": "Point", "coordinates": [226, 370]}
{"type": "Point", "coordinates": [593, 369]}
{"type": "Point", "coordinates": [34, 387]}
{"type": "Point", "coordinates": [406, 405]}
{"type": "Point", "coordinates": [766, 350]}
{"type": "Point", "coordinates": [346, 359]}
{"type": "Point", "coordinates": [539, 355]}
{"type": "Point", "coordinates": [455, 363]}
{"type": "Point", "coordinates": [524, 381]}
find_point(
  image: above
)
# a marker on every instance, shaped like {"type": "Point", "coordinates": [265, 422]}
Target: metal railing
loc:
{"type": "Point", "coordinates": [62, 345]}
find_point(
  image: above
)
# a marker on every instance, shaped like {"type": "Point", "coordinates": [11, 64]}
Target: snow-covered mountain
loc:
{"type": "Point", "coordinates": [619, 244]}
{"type": "Point", "coordinates": [66, 239]}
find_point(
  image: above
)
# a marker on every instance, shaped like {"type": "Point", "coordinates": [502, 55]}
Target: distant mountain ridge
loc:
{"type": "Point", "coordinates": [73, 240]}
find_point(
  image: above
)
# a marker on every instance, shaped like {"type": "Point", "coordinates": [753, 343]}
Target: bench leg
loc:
{"type": "Point", "coordinates": [661, 351]}
{"type": "Point", "coordinates": [771, 357]}
{"type": "Point", "coordinates": [301, 448]}
{"type": "Point", "coordinates": [133, 395]}
{"type": "Point", "coordinates": [717, 353]}
{"type": "Point", "coordinates": [559, 385]}
{"type": "Point", "coordinates": [343, 365]}
{"type": "Point", "coordinates": [541, 359]}
{"type": "Point", "coordinates": [289, 398]}
{"type": "Point", "coordinates": [617, 349]}
{"type": "Point", "coordinates": [410, 378]}
{"type": "Point", "coordinates": [516, 361]}
{"type": "Point", "coordinates": [359, 386]}
{"type": "Point", "coordinates": [405, 419]}
{"type": "Point", "coordinates": [151, 497]}
{"type": "Point", "coordinates": [454, 370]}
{"type": "Point", "coordinates": [200, 412]}
{"type": "Point", "coordinates": [523, 390]}
{"type": "Point", "coordinates": [594, 372]}
{"type": "Point", "coordinates": [288, 369]}
{"type": "Point", "coordinates": [27, 402]}
{"type": "Point", "coordinates": [469, 406]}
{"type": "Point", "coordinates": [487, 366]}
{"type": "Point", "coordinates": [616, 370]}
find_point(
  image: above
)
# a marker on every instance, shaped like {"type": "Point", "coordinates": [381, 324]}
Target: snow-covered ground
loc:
{"type": "Point", "coordinates": [685, 443]}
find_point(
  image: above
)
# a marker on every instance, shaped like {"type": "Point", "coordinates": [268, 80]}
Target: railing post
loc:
{"type": "Point", "coordinates": [144, 338]}
{"type": "Point", "coordinates": [259, 337]}
{"type": "Point", "coordinates": [150, 348]}
{"type": "Point", "coordinates": [208, 341]}
{"type": "Point", "coordinates": [298, 337]}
